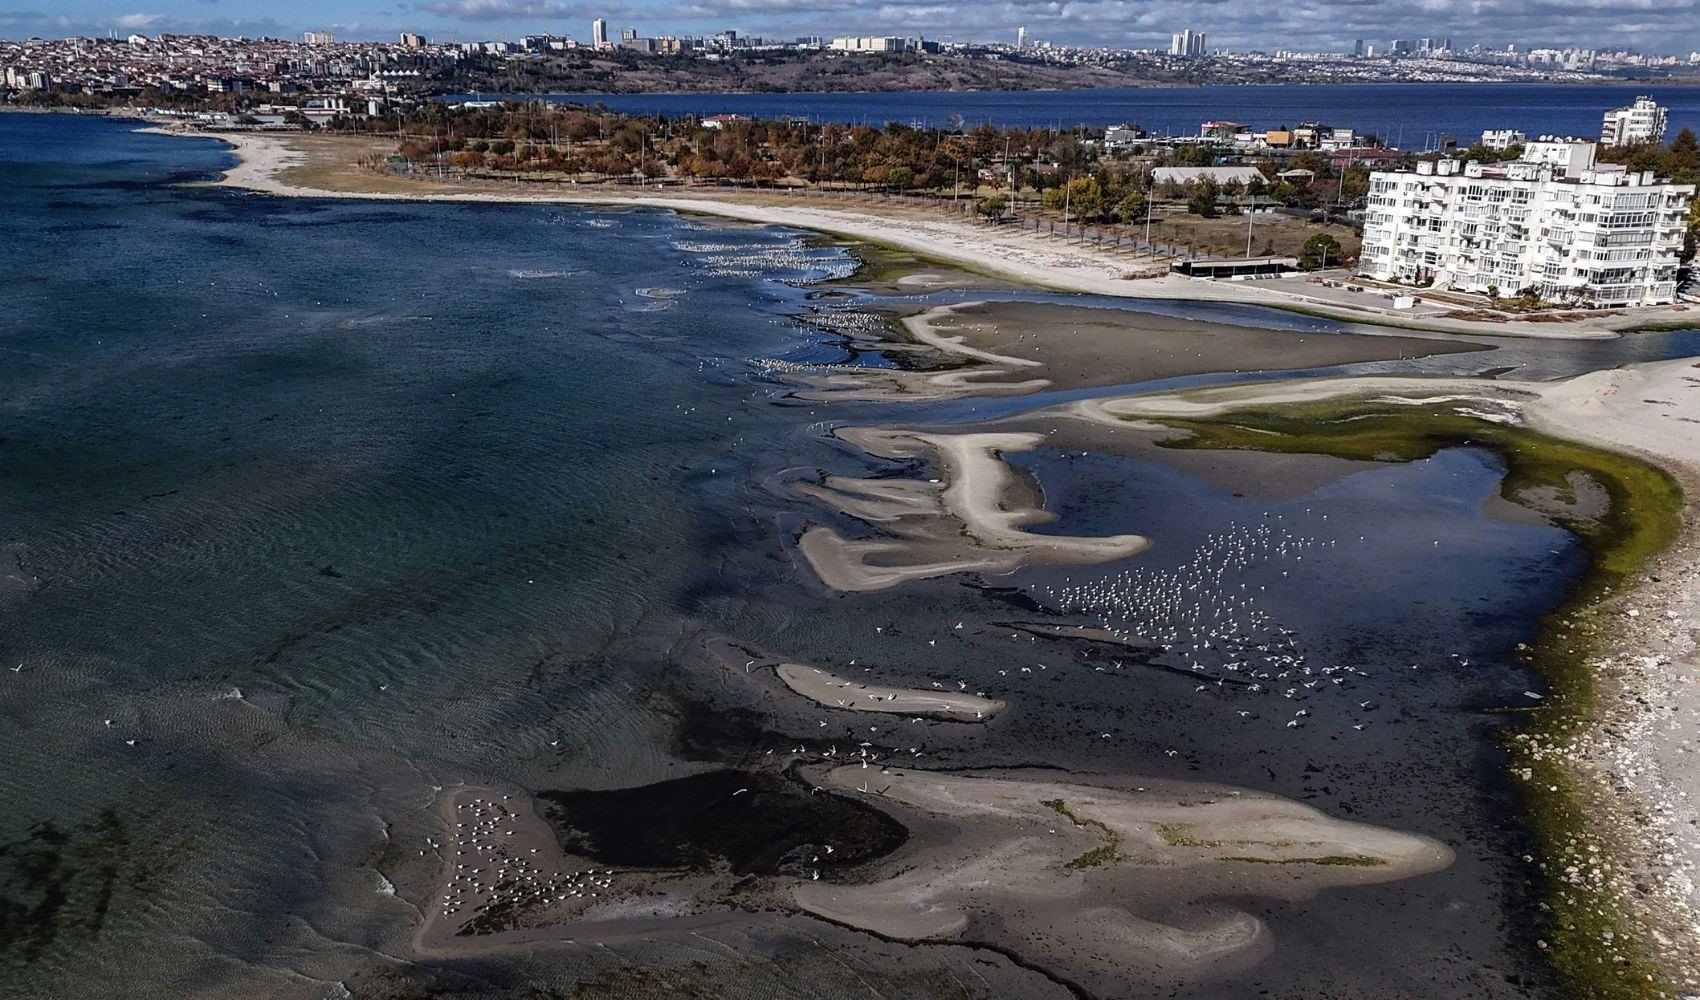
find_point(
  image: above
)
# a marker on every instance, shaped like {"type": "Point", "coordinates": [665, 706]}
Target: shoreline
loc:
{"type": "Point", "coordinates": [1611, 409]}
{"type": "Point", "coordinates": [1001, 251]}
{"type": "Point", "coordinates": [1614, 772]}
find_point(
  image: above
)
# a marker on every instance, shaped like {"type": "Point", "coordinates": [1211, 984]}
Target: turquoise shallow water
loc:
{"type": "Point", "coordinates": [325, 504]}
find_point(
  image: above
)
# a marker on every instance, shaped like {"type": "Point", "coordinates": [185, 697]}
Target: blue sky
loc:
{"type": "Point", "coordinates": [1653, 25]}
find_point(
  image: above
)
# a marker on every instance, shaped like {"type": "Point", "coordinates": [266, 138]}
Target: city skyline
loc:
{"type": "Point", "coordinates": [1231, 25]}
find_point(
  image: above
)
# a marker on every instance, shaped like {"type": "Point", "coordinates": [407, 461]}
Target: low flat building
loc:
{"type": "Point", "coordinates": [1600, 237]}
{"type": "Point", "coordinates": [1231, 268]}
{"type": "Point", "coordinates": [1187, 176]}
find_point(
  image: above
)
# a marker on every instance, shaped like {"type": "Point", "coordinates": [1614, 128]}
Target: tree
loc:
{"type": "Point", "coordinates": [1316, 251]}
{"type": "Point", "coordinates": [1133, 208]}
{"type": "Point", "coordinates": [1082, 198]}
{"type": "Point", "coordinates": [991, 208]}
{"type": "Point", "coordinates": [1203, 199]}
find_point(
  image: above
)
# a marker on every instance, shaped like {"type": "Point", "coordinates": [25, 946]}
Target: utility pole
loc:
{"type": "Point", "coordinates": [1248, 212]}
{"type": "Point", "coordinates": [1011, 170]}
{"type": "Point", "coordinates": [1150, 187]}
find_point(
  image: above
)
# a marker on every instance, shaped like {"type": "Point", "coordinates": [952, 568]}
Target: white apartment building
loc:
{"type": "Point", "coordinates": [1187, 43]}
{"type": "Point", "coordinates": [1643, 121]}
{"type": "Point", "coordinates": [1500, 139]}
{"type": "Point", "coordinates": [1599, 237]}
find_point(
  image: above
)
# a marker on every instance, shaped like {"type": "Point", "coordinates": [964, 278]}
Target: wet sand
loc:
{"type": "Point", "coordinates": [971, 519]}
{"type": "Point", "coordinates": [833, 691]}
{"type": "Point", "coordinates": [1102, 883]}
{"type": "Point", "coordinates": [506, 882]}
{"type": "Point", "coordinates": [1014, 348]}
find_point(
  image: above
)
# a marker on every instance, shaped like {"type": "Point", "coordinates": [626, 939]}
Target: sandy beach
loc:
{"type": "Point", "coordinates": [272, 164]}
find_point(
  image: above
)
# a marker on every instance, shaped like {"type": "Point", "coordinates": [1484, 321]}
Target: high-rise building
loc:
{"type": "Point", "coordinates": [599, 33]}
{"type": "Point", "coordinates": [409, 40]}
{"type": "Point", "coordinates": [1358, 47]}
{"type": "Point", "coordinates": [1187, 43]}
{"type": "Point", "coordinates": [1584, 236]}
{"type": "Point", "coordinates": [1021, 38]}
{"type": "Point", "coordinates": [318, 38]}
{"type": "Point", "coordinates": [1643, 121]}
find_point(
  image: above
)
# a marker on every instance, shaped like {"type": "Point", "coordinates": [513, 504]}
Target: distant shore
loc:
{"type": "Point", "coordinates": [272, 164]}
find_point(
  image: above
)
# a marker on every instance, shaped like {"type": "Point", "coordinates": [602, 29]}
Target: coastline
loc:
{"type": "Point", "coordinates": [1004, 252]}
{"type": "Point", "coordinates": [1614, 794]}
{"type": "Point", "coordinates": [1631, 757]}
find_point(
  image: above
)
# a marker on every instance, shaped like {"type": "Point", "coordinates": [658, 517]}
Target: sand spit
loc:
{"type": "Point", "coordinates": [1002, 250]}
{"type": "Point", "coordinates": [1014, 348]}
{"type": "Point", "coordinates": [1097, 883]}
{"type": "Point", "coordinates": [973, 520]}
{"type": "Point", "coordinates": [833, 691]}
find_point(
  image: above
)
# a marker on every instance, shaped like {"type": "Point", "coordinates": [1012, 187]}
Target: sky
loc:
{"type": "Point", "coordinates": [1662, 26]}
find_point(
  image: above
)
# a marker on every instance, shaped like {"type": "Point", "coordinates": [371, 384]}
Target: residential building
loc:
{"type": "Point", "coordinates": [1599, 237]}
{"type": "Point", "coordinates": [318, 38]}
{"type": "Point", "coordinates": [599, 33]}
{"type": "Point", "coordinates": [1122, 136]}
{"type": "Point", "coordinates": [409, 40]}
{"type": "Point", "coordinates": [1643, 121]}
{"type": "Point", "coordinates": [1567, 155]}
{"type": "Point", "coordinates": [868, 44]}
{"type": "Point", "coordinates": [1187, 44]}
{"type": "Point", "coordinates": [1501, 139]}
{"type": "Point", "coordinates": [1021, 38]}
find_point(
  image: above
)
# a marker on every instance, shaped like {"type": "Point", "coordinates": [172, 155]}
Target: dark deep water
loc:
{"type": "Point", "coordinates": [1407, 115]}
{"type": "Point", "coordinates": [330, 503]}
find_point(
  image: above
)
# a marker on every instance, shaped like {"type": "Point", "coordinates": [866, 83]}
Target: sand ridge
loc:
{"type": "Point", "coordinates": [1101, 880]}
{"type": "Point", "coordinates": [832, 691]}
{"type": "Point", "coordinates": [969, 521]}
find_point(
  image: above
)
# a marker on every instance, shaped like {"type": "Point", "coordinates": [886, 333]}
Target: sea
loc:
{"type": "Point", "coordinates": [1405, 115]}
{"type": "Point", "coordinates": [310, 509]}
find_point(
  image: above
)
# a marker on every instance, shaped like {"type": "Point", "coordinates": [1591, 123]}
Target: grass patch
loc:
{"type": "Point", "coordinates": [1592, 943]}
{"type": "Point", "coordinates": [1344, 860]}
{"type": "Point", "coordinates": [1104, 854]}
{"type": "Point", "coordinates": [1180, 835]}
{"type": "Point", "coordinates": [885, 264]}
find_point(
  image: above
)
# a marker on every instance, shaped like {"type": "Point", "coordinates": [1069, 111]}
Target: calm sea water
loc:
{"type": "Point", "coordinates": [1405, 114]}
{"type": "Point", "coordinates": [331, 503]}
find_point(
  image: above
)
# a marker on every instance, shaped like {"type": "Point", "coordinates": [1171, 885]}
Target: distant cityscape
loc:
{"type": "Point", "coordinates": [320, 63]}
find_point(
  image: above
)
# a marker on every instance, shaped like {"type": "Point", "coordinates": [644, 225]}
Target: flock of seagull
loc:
{"type": "Point", "coordinates": [743, 260]}
{"type": "Point", "coordinates": [1206, 617]}
{"type": "Point", "coordinates": [490, 873]}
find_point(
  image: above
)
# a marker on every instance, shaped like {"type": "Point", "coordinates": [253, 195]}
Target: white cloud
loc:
{"type": "Point", "coordinates": [137, 22]}
{"type": "Point", "coordinates": [505, 10]}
